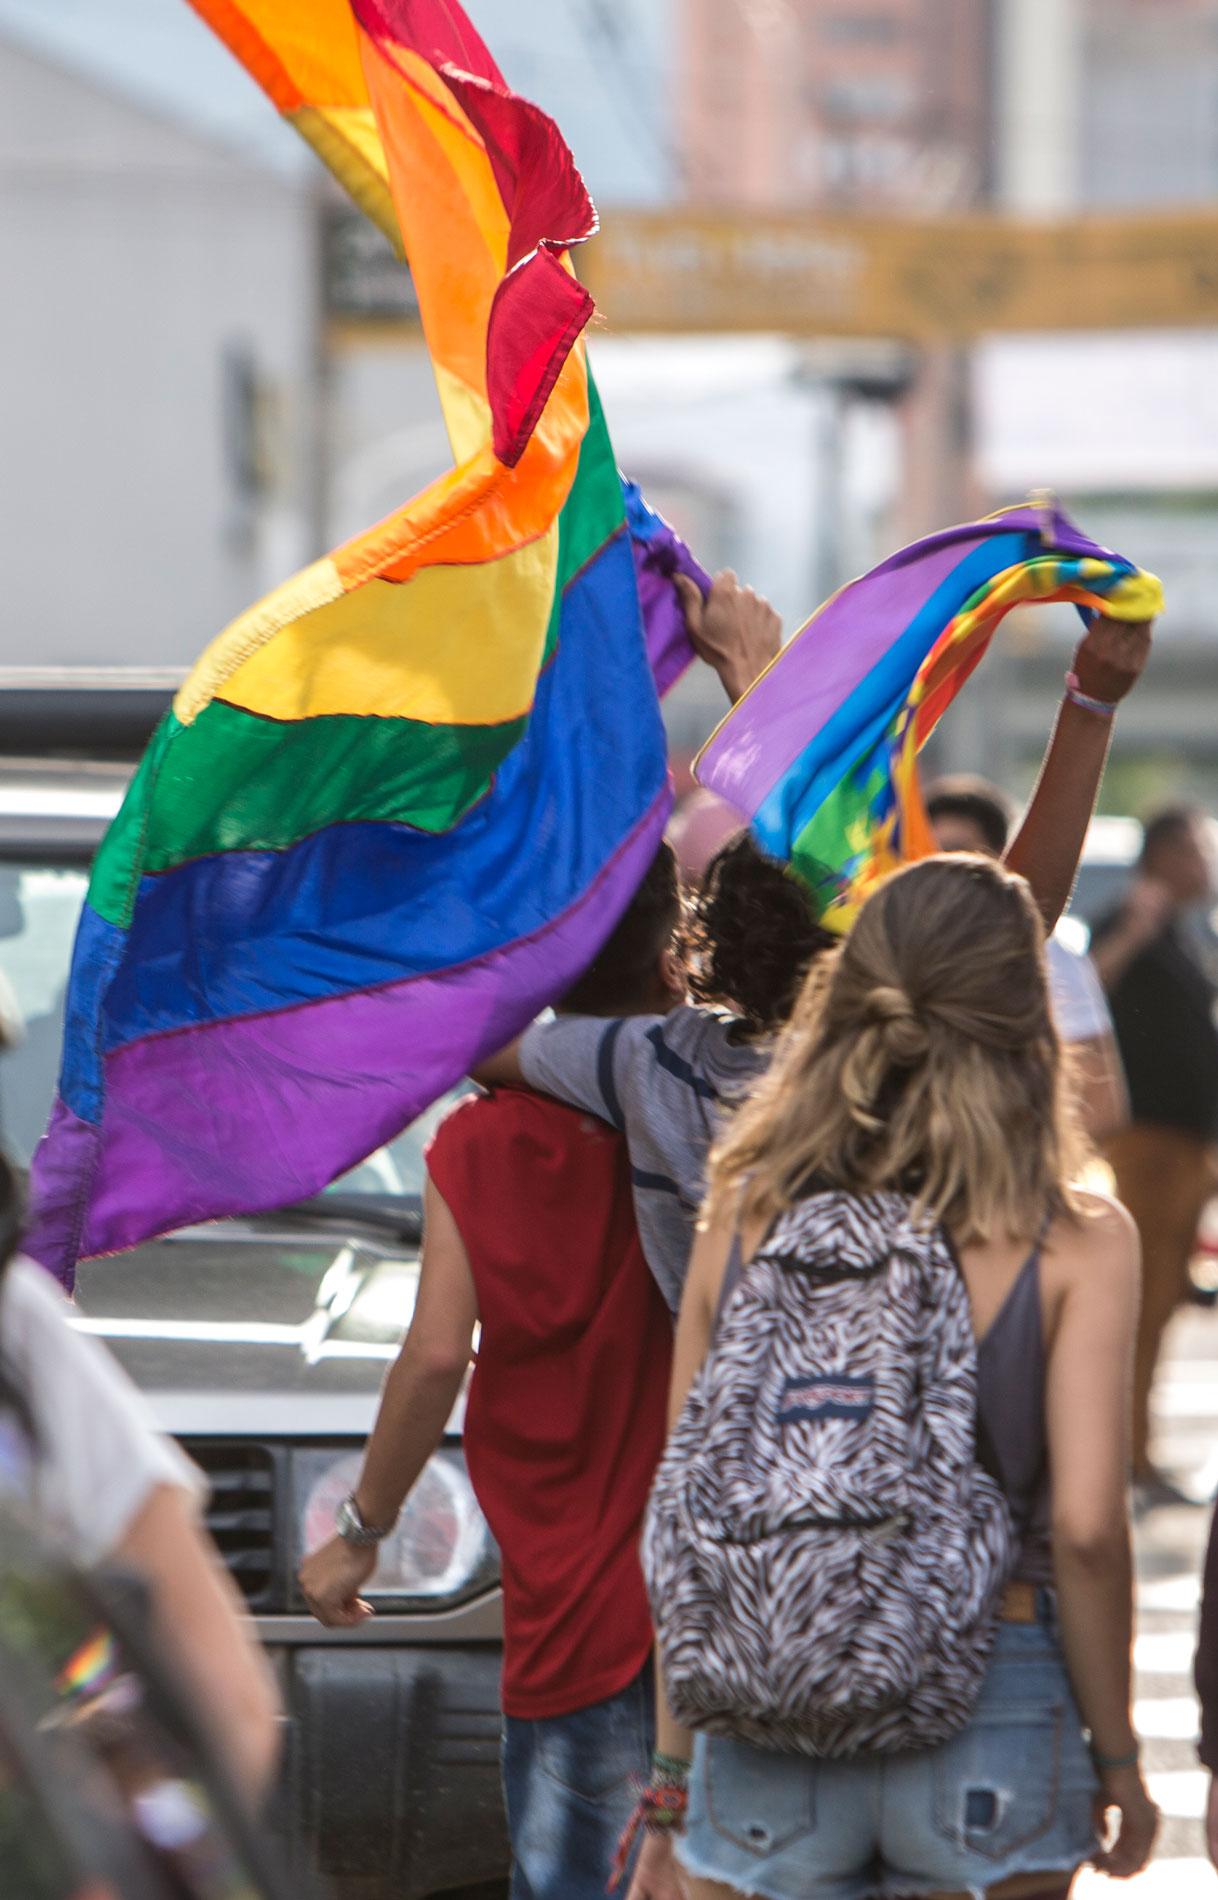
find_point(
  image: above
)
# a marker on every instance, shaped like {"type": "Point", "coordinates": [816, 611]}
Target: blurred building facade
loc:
{"type": "Point", "coordinates": [1104, 106]}
{"type": "Point", "coordinates": [169, 378]}
{"type": "Point", "coordinates": [157, 351]}
{"type": "Point", "coordinates": [1039, 108]}
{"type": "Point", "coordinates": [853, 107]}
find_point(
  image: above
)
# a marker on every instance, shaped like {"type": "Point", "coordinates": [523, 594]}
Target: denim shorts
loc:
{"type": "Point", "coordinates": [1013, 1793]}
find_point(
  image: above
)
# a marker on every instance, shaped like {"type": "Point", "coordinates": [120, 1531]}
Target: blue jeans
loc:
{"type": "Point", "coordinates": [571, 1783]}
{"type": "Point", "coordinates": [1013, 1793]}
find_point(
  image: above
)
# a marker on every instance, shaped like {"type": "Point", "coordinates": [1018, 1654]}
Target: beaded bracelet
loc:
{"type": "Point", "coordinates": [1106, 708]}
{"type": "Point", "coordinates": [669, 1769]}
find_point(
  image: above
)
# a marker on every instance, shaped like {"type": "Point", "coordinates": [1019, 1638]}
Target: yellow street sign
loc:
{"type": "Point", "coordinates": [925, 280]}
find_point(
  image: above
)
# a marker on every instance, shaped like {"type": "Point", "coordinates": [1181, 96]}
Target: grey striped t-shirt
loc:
{"type": "Point", "coordinates": [663, 1080]}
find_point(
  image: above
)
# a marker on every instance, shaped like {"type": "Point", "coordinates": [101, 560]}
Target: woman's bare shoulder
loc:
{"type": "Point", "coordinates": [1098, 1245]}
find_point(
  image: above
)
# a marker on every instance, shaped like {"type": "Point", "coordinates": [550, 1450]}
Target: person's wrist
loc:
{"type": "Point", "coordinates": [660, 1809]}
{"type": "Point", "coordinates": [358, 1525]}
{"type": "Point", "coordinates": [1090, 696]}
{"type": "Point", "coordinates": [1122, 1759]}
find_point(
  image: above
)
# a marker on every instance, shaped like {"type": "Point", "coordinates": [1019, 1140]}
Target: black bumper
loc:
{"type": "Point", "coordinates": [392, 1785]}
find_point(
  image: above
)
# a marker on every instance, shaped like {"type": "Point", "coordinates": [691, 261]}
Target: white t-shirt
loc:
{"type": "Point", "coordinates": [1080, 1008]}
{"type": "Point", "coordinates": [96, 1453]}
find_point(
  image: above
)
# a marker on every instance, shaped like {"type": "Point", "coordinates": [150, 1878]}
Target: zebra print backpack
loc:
{"type": "Point", "coordinates": [825, 1556]}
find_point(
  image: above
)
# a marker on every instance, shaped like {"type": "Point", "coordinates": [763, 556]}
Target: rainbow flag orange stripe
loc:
{"type": "Point", "coordinates": [398, 804]}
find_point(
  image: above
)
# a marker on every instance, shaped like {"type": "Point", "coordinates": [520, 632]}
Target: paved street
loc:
{"type": "Point", "coordinates": [1170, 1548]}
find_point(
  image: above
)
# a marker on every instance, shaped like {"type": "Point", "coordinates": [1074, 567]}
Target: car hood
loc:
{"type": "Point", "coordinates": [249, 1329]}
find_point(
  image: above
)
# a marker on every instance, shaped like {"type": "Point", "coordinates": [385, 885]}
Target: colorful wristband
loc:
{"type": "Point", "coordinates": [1106, 708]}
{"type": "Point", "coordinates": [660, 1809]}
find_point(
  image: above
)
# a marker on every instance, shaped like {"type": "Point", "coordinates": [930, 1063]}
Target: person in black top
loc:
{"type": "Point", "coordinates": [1205, 1672]}
{"type": "Point", "coordinates": [1162, 995]}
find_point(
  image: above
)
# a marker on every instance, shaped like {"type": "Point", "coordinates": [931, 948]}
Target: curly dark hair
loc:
{"type": "Point", "coordinates": [752, 935]}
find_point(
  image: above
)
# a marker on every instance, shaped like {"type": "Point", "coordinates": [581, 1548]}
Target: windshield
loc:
{"type": "Point", "coordinates": [39, 906]}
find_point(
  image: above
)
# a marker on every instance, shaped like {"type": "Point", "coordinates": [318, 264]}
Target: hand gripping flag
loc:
{"type": "Point", "coordinates": [821, 755]}
{"type": "Point", "coordinates": [400, 803]}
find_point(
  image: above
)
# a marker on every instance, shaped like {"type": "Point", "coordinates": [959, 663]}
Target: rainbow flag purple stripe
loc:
{"type": "Point", "coordinates": [399, 805]}
{"type": "Point", "coordinates": [821, 755]}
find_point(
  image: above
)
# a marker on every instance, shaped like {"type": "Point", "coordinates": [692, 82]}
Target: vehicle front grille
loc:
{"type": "Point", "coordinates": [241, 1511]}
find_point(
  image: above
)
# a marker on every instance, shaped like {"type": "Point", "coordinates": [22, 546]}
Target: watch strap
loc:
{"type": "Point", "coordinates": [352, 1528]}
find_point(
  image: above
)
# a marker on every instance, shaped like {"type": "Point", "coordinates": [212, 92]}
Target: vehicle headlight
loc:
{"type": "Point", "coordinates": [441, 1545]}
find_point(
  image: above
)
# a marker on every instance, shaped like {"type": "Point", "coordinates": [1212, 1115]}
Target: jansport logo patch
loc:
{"type": "Point", "coordinates": [826, 1395]}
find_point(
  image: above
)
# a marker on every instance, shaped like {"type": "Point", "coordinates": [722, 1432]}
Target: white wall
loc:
{"type": "Point", "coordinates": [133, 256]}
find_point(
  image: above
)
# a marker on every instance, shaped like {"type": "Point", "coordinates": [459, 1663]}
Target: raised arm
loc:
{"type": "Point", "coordinates": [1108, 664]}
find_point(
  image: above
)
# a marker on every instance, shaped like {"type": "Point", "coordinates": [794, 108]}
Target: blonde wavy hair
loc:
{"type": "Point", "coordinates": [922, 1057]}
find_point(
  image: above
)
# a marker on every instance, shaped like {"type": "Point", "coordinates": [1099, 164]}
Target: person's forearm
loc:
{"type": "Point", "coordinates": [1117, 950]}
{"type": "Point", "coordinates": [415, 1407]}
{"type": "Point", "coordinates": [502, 1070]}
{"type": "Point", "coordinates": [1206, 1666]}
{"type": "Point", "coordinates": [1050, 840]}
{"type": "Point", "coordinates": [1095, 1616]}
{"type": "Point", "coordinates": [206, 1635]}
{"type": "Point", "coordinates": [671, 1738]}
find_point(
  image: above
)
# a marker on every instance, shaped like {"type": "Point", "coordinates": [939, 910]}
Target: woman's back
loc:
{"type": "Point", "coordinates": [922, 1062]}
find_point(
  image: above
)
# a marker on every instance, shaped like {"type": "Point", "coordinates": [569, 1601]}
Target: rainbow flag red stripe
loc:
{"type": "Point", "coordinates": [399, 804]}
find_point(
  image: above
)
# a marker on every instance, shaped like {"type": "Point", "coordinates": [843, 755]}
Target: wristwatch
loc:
{"type": "Point", "coordinates": [352, 1528]}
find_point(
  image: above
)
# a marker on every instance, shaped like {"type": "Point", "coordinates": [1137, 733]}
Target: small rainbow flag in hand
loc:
{"type": "Point", "coordinates": [90, 1669]}
{"type": "Point", "coordinates": [398, 806]}
{"type": "Point", "coordinates": [821, 754]}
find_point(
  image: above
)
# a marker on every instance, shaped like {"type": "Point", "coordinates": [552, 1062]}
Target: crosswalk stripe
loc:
{"type": "Point", "coordinates": [1164, 1652]}
{"type": "Point", "coordinates": [1175, 1595]}
{"type": "Point", "coordinates": [1166, 1718]}
{"type": "Point", "coordinates": [1180, 1792]}
{"type": "Point", "coordinates": [1181, 1879]}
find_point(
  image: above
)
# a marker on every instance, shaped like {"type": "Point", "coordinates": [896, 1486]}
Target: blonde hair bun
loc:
{"type": "Point", "coordinates": [903, 1032]}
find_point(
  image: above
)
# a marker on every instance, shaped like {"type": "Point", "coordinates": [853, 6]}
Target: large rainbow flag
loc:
{"type": "Point", "coordinates": [821, 755]}
{"type": "Point", "coordinates": [399, 804]}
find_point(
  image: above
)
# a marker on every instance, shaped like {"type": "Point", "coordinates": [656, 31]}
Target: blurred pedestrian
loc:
{"type": "Point", "coordinates": [1206, 1675]}
{"type": "Point", "coordinates": [969, 814]}
{"type": "Point", "coordinates": [530, 1230]}
{"type": "Point", "coordinates": [79, 1450]}
{"type": "Point", "coordinates": [916, 1093]}
{"type": "Point", "coordinates": [1163, 991]}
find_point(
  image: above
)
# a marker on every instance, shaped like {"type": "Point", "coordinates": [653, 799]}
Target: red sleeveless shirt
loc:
{"type": "Point", "coordinates": [567, 1408]}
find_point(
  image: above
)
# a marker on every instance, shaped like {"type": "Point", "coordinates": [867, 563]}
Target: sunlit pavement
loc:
{"type": "Point", "coordinates": [1171, 1545]}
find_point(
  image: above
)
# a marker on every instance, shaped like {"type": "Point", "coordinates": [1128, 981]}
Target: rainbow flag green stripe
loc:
{"type": "Point", "coordinates": [233, 780]}
{"type": "Point", "coordinates": [270, 784]}
{"type": "Point", "coordinates": [400, 802]}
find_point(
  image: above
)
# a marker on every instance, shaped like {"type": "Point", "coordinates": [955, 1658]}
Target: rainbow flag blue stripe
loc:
{"type": "Point", "coordinates": [399, 804]}
{"type": "Point", "coordinates": [821, 755]}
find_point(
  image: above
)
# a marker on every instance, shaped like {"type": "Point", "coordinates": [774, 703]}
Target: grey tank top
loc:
{"type": "Point", "coordinates": [1012, 1439]}
{"type": "Point", "coordinates": [1011, 1370]}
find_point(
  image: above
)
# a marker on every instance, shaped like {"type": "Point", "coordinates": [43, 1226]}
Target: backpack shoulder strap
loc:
{"type": "Point", "coordinates": [731, 1279]}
